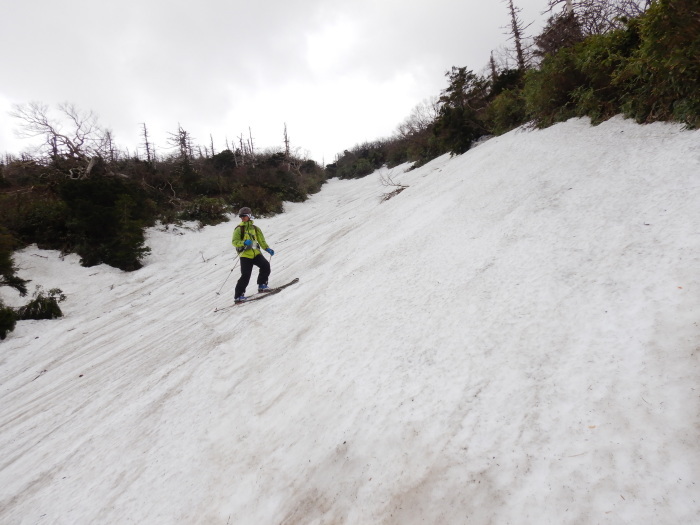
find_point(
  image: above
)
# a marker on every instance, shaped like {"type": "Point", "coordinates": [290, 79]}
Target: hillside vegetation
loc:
{"type": "Point", "coordinates": [644, 67]}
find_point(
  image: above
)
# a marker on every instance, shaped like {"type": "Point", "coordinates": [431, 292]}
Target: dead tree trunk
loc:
{"type": "Point", "coordinates": [250, 142]}
{"type": "Point", "coordinates": [494, 71]}
{"type": "Point", "coordinates": [517, 29]}
{"type": "Point", "coordinates": [147, 144]}
{"type": "Point", "coordinates": [286, 141]}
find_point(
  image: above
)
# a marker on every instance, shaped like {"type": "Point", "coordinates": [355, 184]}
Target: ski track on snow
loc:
{"type": "Point", "coordinates": [512, 339]}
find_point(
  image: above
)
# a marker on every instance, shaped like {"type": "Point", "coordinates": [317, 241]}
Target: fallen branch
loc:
{"type": "Point", "coordinates": [387, 181]}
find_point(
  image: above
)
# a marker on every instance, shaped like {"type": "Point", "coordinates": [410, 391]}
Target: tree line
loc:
{"type": "Point", "coordinates": [79, 193]}
{"type": "Point", "coordinates": [594, 58]}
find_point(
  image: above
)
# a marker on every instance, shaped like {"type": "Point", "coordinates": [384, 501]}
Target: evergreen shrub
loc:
{"type": "Point", "coordinates": [106, 220]}
{"type": "Point", "coordinates": [506, 111]}
{"type": "Point", "coordinates": [7, 267]}
{"type": "Point", "coordinates": [43, 305]}
{"type": "Point", "coordinates": [205, 210]}
{"type": "Point", "coordinates": [257, 198]}
{"type": "Point", "coordinates": [8, 320]}
{"type": "Point", "coordinates": [664, 72]}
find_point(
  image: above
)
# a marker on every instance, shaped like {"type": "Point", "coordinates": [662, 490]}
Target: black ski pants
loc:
{"type": "Point", "coordinates": [247, 269]}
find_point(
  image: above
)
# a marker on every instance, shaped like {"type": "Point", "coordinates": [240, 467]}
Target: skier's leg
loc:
{"type": "Point", "coordinates": [264, 266]}
{"type": "Point", "coordinates": [246, 271]}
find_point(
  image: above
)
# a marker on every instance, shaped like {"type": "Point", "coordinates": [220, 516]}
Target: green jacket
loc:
{"type": "Point", "coordinates": [247, 230]}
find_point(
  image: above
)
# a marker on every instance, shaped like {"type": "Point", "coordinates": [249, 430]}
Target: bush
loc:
{"type": "Point", "coordinates": [561, 31]}
{"type": "Point", "coordinates": [43, 306]}
{"type": "Point", "coordinates": [206, 210]}
{"type": "Point", "coordinates": [225, 160]}
{"type": "Point", "coordinates": [22, 173]}
{"type": "Point", "coordinates": [35, 217]}
{"type": "Point", "coordinates": [282, 183]}
{"type": "Point", "coordinates": [508, 79]}
{"type": "Point", "coordinates": [600, 59]}
{"type": "Point", "coordinates": [311, 178]}
{"type": "Point", "coordinates": [106, 221]}
{"type": "Point", "coordinates": [259, 199]}
{"type": "Point", "coordinates": [462, 111]}
{"type": "Point", "coordinates": [648, 70]}
{"type": "Point", "coordinates": [548, 91]}
{"type": "Point", "coordinates": [664, 73]}
{"type": "Point", "coordinates": [7, 267]}
{"type": "Point", "coordinates": [8, 320]}
{"type": "Point", "coordinates": [359, 162]}
{"type": "Point", "coordinates": [506, 112]}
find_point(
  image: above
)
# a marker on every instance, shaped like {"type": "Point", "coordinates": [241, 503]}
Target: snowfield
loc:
{"type": "Point", "coordinates": [513, 339]}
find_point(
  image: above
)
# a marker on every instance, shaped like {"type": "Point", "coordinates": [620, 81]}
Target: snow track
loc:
{"type": "Point", "coordinates": [512, 339]}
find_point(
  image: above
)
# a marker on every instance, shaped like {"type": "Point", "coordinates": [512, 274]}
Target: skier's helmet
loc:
{"type": "Point", "coordinates": [245, 211]}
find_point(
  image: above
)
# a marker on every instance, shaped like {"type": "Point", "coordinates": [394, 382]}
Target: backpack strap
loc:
{"type": "Point", "coordinates": [241, 249]}
{"type": "Point", "coordinates": [243, 228]}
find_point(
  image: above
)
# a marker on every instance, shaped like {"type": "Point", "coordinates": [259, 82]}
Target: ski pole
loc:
{"type": "Point", "coordinates": [229, 275]}
{"type": "Point", "coordinates": [270, 262]}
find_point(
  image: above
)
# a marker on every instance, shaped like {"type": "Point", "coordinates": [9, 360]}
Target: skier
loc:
{"type": "Point", "coordinates": [248, 240]}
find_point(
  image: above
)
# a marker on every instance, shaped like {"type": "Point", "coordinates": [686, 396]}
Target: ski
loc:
{"type": "Point", "coordinates": [272, 291]}
{"type": "Point", "coordinates": [260, 295]}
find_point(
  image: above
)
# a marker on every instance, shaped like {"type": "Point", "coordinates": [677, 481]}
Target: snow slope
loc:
{"type": "Point", "coordinates": [512, 339]}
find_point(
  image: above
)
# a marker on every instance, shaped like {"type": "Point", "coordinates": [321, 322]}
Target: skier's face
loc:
{"type": "Point", "coordinates": [245, 218]}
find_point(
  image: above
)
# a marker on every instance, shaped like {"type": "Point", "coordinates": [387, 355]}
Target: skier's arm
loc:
{"type": "Point", "coordinates": [237, 241]}
{"type": "Point", "coordinates": [261, 240]}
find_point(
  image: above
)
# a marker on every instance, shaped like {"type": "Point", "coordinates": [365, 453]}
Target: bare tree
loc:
{"type": "Point", "coordinates": [73, 135]}
{"type": "Point", "coordinates": [420, 119]}
{"type": "Point", "coordinates": [109, 146]}
{"type": "Point", "coordinates": [247, 149]}
{"type": "Point", "coordinates": [232, 149]}
{"type": "Point", "coordinates": [388, 182]}
{"type": "Point", "coordinates": [250, 142]}
{"type": "Point", "coordinates": [493, 68]}
{"type": "Point", "coordinates": [561, 31]}
{"type": "Point", "coordinates": [242, 149]}
{"type": "Point", "coordinates": [286, 141]}
{"type": "Point", "coordinates": [517, 31]}
{"type": "Point", "coordinates": [600, 16]}
{"type": "Point", "coordinates": [182, 140]}
{"type": "Point", "coordinates": [147, 144]}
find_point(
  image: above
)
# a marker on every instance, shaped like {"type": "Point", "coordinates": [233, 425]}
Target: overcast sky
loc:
{"type": "Point", "coordinates": [337, 73]}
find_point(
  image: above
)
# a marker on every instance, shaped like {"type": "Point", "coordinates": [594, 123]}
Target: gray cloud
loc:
{"type": "Point", "coordinates": [337, 72]}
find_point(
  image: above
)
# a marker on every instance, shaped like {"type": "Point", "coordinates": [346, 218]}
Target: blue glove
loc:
{"type": "Point", "coordinates": [247, 243]}
{"type": "Point", "coordinates": [270, 251]}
